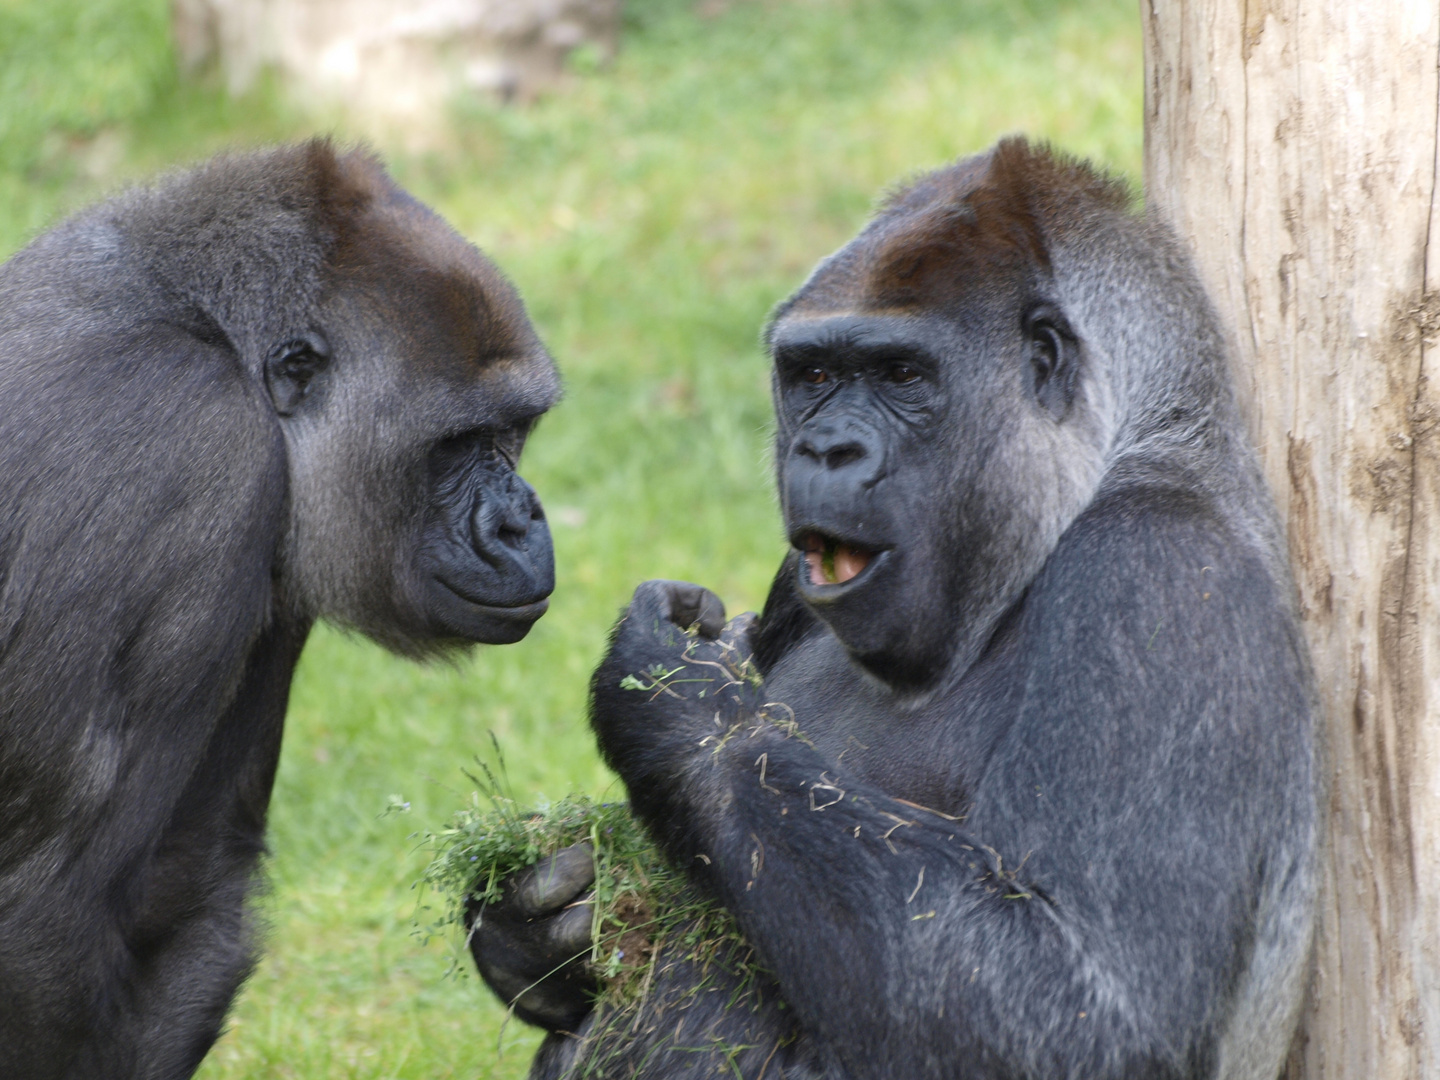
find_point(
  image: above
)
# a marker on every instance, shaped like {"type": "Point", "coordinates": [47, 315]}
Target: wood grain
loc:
{"type": "Point", "coordinates": [1293, 142]}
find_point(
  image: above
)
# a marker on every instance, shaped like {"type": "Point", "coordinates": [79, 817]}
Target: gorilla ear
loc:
{"type": "Point", "coordinates": [1053, 353]}
{"type": "Point", "coordinates": [291, 366]}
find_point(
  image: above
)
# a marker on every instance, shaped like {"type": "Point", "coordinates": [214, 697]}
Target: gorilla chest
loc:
{"type": "Point", "coordinates": [929, 752]}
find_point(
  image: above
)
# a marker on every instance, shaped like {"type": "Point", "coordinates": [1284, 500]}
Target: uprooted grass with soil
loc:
{"type": "Point", "coordinates": [643, 909]}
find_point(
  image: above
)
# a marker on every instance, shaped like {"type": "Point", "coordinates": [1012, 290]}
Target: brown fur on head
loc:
{"type": "Point", "coordinates": [951, 228]}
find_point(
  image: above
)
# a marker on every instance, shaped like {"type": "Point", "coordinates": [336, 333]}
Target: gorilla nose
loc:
{"type": "Point", "coordinates": [834, 447]}
{"type": "Point", "coordinates": [832, 456]}
{"type": "Point", "coordinates": [503, 516]}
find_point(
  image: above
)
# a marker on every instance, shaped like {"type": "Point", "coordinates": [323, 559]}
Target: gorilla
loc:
{"type": "Point", "coordinates": [270, 390]}
{"type": "Point", "coordinates": [1029, 788]}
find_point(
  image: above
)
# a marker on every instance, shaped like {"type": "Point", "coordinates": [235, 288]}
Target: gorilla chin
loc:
{"type": "Point", "coordinates": [862, 595]}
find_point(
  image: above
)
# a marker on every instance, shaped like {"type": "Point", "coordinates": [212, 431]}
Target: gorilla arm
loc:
{"type": "Point", "coordinates": [152, 503]}
{"type": "Point", "coordinates": [1088, 915]}
{"type": "Point", "coordinates": [532, 946]}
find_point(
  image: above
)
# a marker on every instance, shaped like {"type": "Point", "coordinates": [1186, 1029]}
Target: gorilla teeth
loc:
{"type": "Point", "coordinates": [831, 562]}
{"type": "Point", "coordinates": [849, 561]}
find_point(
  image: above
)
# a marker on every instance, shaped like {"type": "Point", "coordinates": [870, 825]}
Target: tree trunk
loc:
{"type": "Point", "coordinates": [400, 59]}
{"type": "Point", "coordinates": [1293, 144]}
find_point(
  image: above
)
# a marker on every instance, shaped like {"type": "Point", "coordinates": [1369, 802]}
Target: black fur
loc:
{"type": "Point", "coordinates": [232, 406]}
{"type": "Point", "coordinates": [1073, 642]}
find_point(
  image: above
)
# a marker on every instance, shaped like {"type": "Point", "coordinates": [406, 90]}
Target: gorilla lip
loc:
{"type": "Point", "coordinates": [833, 562]}
{"type": "Point", "coordinates": [518, 611]}
{"type": "Point", "coordinates": [530, 611]}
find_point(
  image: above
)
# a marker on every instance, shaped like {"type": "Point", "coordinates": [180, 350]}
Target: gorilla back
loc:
{"type": "Point", "coordinates": [1036, 587]}
{"type": "Point", "coordinates": [266, 391]}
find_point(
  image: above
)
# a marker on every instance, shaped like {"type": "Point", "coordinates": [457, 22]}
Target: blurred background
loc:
{"type": "Point", "coordinates": [654, 175]}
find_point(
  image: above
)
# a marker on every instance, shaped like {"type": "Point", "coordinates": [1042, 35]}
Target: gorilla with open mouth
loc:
{"type": "Point", "coordinates": [1048, 804]}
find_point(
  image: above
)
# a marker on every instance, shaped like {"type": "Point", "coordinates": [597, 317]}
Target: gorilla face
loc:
{"type": "Point", "coordinates": [486, 558]}
{"type": "Point", "coordinates": [933, 438]}
{"type": "Point", "coordinates": [408, 519]}
{"type": "Point", "coordinates": [862, 465]}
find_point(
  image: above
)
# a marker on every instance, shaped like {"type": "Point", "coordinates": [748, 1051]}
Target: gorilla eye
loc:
{"type": "Point", "coordinates": [1047, 352]}
{"type": "Point", "coordinates": [902, 373]}
{"type": "Point", "coordinates": [814, 375]}
{"type": "Point", "coordinates": [291, 366]}
{"type": "Point", "coordinates": [510, 442]}
{"type": "Point", "coordinates": [299, 366]}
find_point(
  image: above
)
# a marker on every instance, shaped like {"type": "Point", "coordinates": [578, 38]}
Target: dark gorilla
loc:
{"type": "Point", "coordinates": [267, 391]}
{"type": "Point", "coordinates": [1054, 811]}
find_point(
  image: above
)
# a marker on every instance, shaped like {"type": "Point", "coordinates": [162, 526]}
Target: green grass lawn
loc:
{"type": "Point", "coordinates": [651, 214]}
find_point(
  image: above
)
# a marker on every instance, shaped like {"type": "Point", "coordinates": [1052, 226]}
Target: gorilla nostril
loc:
{"type": "Point", "coordinates": [511, 524]}
{"type": "Point", "coordinates": [843, 455]}
{"type": "Point", "coordinates": [832, 456]}
{"type": "Point", "coordinates": [504, 519]}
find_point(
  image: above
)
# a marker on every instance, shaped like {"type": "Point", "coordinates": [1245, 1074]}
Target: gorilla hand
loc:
{"type": "Point", "coordinates": [676, 675]}
{"type": "Point", "coordinates": [531, 946]}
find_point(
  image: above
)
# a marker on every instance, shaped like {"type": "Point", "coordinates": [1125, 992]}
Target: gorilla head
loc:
{"type": "Point", "coordinates": [405, 400]}
{"type": "Point", "coordinates": [404, 376]}
{"type": "Point", "coordinates": [942, 413]}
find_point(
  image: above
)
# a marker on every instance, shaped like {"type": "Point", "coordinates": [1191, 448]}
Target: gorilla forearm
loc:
{"type": "Point", "coordinates": [898, 936]}
{"type": "Point", "coordinates": [1049, 927]}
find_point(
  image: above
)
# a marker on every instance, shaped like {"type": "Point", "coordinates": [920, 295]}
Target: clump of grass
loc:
{"type": "Point", "coordinates": [645, 913]}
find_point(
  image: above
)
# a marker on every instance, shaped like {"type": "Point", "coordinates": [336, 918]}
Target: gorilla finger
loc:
{"type": "Point", "coordinates": [738, 630]}
{"type": "Point", "coordinates": [554, 881]}
{"type": "Point", "coordinates": [653, 602]}
{"type": "Point", "coordinates": [695, 605]}
{"type": "Point", "coordinates": [682, 603]}
{"type": "Point", "coordinates": [711, 617]}
{"type": "Point", "coordinates": [570, 933]}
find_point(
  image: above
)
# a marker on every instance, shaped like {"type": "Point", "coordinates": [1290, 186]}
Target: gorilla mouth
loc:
{"type": "Point", "coordinates": [833, 562]}
{"type": "Point", "coordinates": [531, 611]}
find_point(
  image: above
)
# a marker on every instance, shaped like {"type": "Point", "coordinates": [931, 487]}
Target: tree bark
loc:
{"type": "Point", "coordinates": [1293, 143]}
